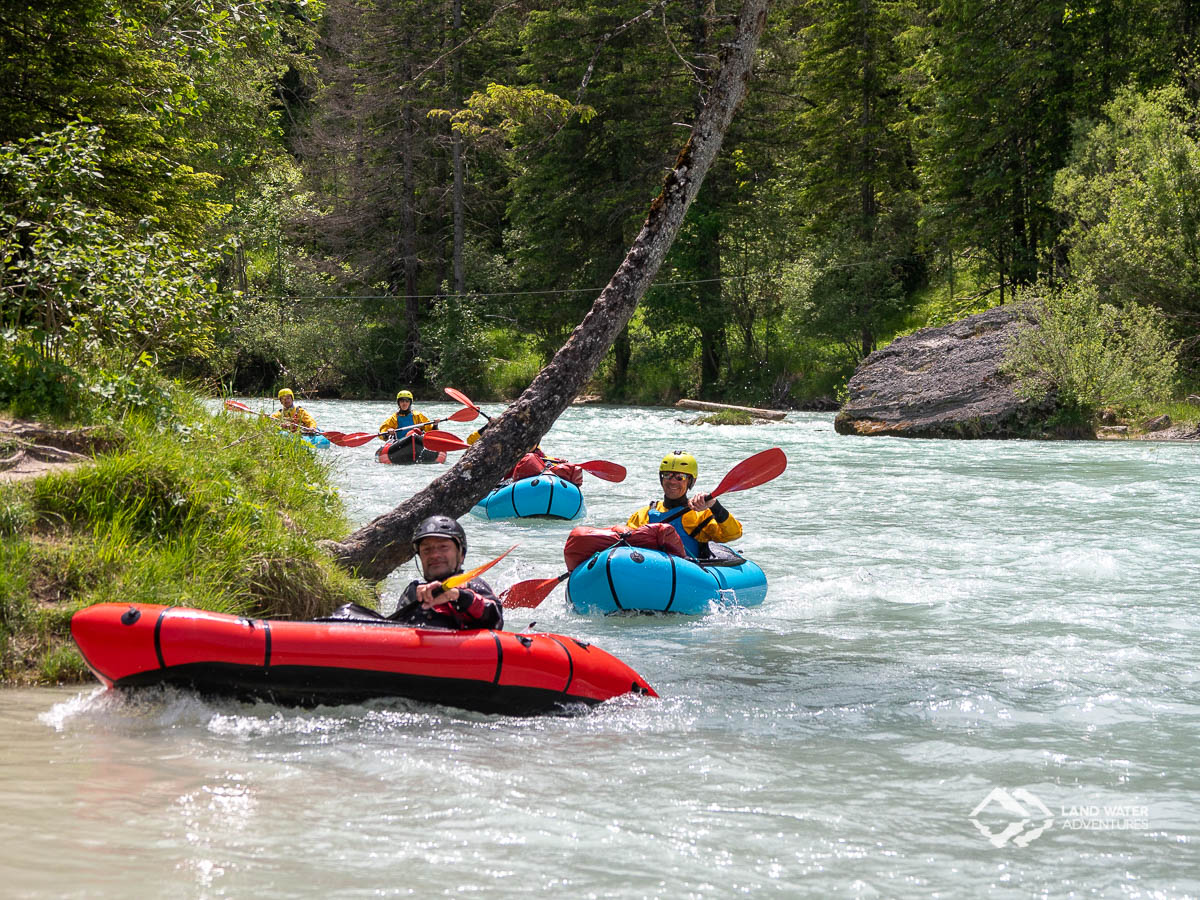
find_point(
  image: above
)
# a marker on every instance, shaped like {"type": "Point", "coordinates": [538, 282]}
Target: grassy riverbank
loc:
{"type": "Point", "coordinates": [191, 509]}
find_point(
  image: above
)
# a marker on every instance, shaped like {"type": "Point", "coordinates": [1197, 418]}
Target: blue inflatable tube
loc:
{"type": "Point", "coordinates": [545, 495]}
{"type": "Point", "coordinates": [632, 579]}
{"type": "Point", "coordinates": [313, 440]}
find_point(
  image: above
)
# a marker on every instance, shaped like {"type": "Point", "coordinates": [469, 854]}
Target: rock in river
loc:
{"type": "Point", "coordinates": [943, 383]}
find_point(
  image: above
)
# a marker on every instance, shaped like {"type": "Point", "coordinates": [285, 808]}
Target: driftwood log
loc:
{"type": "Point", "coordinates": [42, 452]}
{"type": "Point", "coordinates": [77, 442]}
{"type": "Point", "coordinates": [705, 406]}
{"type": "Point", "coordinates": [385, 543]}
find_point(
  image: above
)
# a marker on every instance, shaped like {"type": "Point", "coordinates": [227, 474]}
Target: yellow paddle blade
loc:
{"type": "Point", "coordinates": [455, 580]}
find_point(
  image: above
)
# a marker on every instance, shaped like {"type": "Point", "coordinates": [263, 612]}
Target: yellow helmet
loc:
{"type": "Point", "coordinates": [678, 461]}
{"type": "Point", "coordinates": [404, 395]}
{"type": "Point", "coordinates": [286, 392]}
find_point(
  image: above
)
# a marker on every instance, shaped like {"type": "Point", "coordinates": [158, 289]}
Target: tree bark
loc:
{"type": "Point", "coordinates": [385, 543]}
{"type": "Point", "coordinates": [411, 368]}
{"type": "Point", "coordinates": [456, 150]}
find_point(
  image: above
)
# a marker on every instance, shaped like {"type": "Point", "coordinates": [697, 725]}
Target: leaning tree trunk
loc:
{"type": "Point", "coordinates": [385, 543]}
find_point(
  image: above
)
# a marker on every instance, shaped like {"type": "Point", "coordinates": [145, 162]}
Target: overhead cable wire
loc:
{"type": "Point", "coordinates": [470, 294]}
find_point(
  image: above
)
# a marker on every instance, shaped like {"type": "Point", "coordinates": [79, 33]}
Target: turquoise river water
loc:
{"type": "Point", "coordinates": [975, 675]}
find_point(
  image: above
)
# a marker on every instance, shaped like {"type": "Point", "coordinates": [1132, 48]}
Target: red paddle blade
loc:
{"type": "Point", "coordinates": [238, 406]}
{"type": "Point", "coordinates": [528, 594]}
{"type": "Point", "coordinates": [353, 439]}
{"type": "Point", "coordinates": [607, 471]}
{"type": "Point", "coordinates": [455, 580]}
{"type": "Point", "coordinates": [466, 414]}
{"type": "Point", "coordinates": [443, 440]}
{"type": "Point", "coordinates": [757, 469]}
{"type": "Point", "coordinates": [462, 398]}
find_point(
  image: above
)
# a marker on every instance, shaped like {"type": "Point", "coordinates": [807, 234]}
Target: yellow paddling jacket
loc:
{"type": "Point", "coordinates": [297, 415]}
{"type": "Point", "coordinates": [693, 527]}
{"type": "Point", "coordinates": [396, 421]}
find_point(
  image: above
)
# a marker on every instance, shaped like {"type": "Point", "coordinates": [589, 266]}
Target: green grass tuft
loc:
{"type": "Point", "coordinates": [726, 417]}
{"type": "Point", "coordinates": [214, 512]}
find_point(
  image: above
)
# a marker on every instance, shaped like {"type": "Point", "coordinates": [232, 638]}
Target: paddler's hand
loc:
{"type": "Point", "coordinates": [425, 595]}
{"type": "Point", "coordinates": [701, 502]}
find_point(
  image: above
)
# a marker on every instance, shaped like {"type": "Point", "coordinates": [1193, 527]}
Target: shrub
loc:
{"type": "Point", "coordinates": [74, 277]}
{"type": "Point", "coordinates": [1130, 193]}
{"type": "Point", "coordinates": [34, 385]}
{"type": "Point", "coordinates": [1092, 354]}
{"type": "Point", "coordinates": [457, 344]}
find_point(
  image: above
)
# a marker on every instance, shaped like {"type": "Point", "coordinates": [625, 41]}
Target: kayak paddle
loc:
{"type": "Point", "coordinates": [462, 398]}
{"type": "Point", "coordinates": [443, 440]}
{"type": "Point", "coordinates": [608, 471]}
{"type": "Point", "coordinates": [455, 580]}
{"type": "Point", "coordinates": [751, 472]}
{"type": "Point", "coordinates": [529, 594]}
{"type": "Point", "coordinates": [602, 469]}
{"type": "Point", "coordinates": [341, 438]}
{"type": "Point", "coordinates": [353, 439]}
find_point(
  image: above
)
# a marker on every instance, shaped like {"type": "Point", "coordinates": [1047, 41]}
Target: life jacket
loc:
{"type": "Point", "coordinates": [405, 421]}
{"type": "Point", "coordinates": [695, 549]}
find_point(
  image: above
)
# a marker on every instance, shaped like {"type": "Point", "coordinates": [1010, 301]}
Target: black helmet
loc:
{"type": "Point", "coordinates": [441, 526]}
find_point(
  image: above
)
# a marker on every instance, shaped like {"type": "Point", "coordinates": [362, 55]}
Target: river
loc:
{"type": "Point", "coordinates": [974, 675]}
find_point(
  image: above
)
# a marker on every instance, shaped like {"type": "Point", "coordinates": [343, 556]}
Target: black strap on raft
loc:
{"type": "Point", "coordinates": [671, 517]}
{"type": "Point", "coordinates": [694, 534]}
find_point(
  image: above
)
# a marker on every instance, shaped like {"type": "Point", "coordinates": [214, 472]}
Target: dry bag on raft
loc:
{"type": "Point", "coordinates": [532, 464]}
{"type": "Point", "coordinates": [585, 540]}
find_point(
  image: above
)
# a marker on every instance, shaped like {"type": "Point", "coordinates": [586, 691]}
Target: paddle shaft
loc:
{"type": "Point", "coordinates": [341, 438]}
{"type": "Point", "coordinates": [459, 415]}
{"type": "Point", "coordinates": [242, 407]}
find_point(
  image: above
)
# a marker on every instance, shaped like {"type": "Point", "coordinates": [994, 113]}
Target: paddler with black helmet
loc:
{"type": "Point", "coordinates": [292, 416]}
{"type": "Point", "coordinates": [441, 547]}
{"type": "Point", "coordinates": [697, 519]}
{"type": "Point", "coordinates": [401, 422]}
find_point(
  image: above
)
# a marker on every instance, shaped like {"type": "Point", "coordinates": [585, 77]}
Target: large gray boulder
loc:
{"type": "Point", "coordinates": [943, 383]}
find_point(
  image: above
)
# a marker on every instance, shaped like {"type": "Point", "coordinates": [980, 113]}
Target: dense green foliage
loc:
{"type": "Point", "coordinates": [1132, 192]}
{"type": "Point", "coordinates": [359, 195]}
{"type": "Point", "coordinates": [76, 279]}
{"type": "Point", "coordinates": [1092, 354]}
{"type": "Point", "coordinates": [217, 512]}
